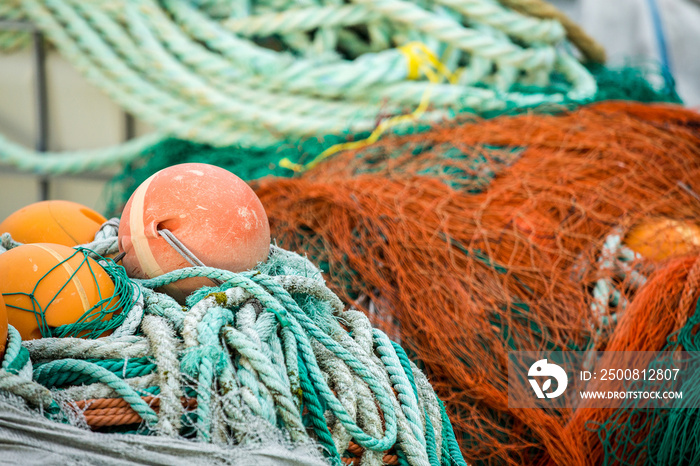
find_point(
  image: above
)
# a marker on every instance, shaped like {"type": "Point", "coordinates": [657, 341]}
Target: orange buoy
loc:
{"type": "Point", "coordinates": [36, 278]}
{"type": "Point", "coordinates": [211, 211]}
{"type": "Point", "coordinates": [59, 222]}
{"type": "Point", "coordinates": [660, 238]}
{"type": "Point", "coordinates": [3, 327]}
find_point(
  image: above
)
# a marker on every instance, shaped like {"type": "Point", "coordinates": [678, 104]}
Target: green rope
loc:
{"type": "Point", "coordinates": [18, 363]}
{"type": "Point", "coordinates": [315, 416]}
{"type": "Point", "coordinates": [122, 368]}
{"type": "Point", "coordinates": [13, 350]}
{"type": "Point", "coordinates": [451, 454]}
{"type": "Point", "coordinates": [288, 312]}
{"type": "Point", "coordinates": [429, 430]}
{"type": "Point", "coordinates": [93, 372]}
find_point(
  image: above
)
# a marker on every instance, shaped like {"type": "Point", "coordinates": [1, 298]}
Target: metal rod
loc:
{"type": "Point", "coordinates": [129, 134]}
{"type": "Point", "coordinates": [129, 126]}
{"type": "Point", "coordinates": [42, 111]}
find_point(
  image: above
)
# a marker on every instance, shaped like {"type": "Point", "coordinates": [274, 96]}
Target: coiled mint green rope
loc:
{"type": "Point", "coordinates": [318, 421]}
{"type": "Point", "coordinates": [288, 311]}
{"type": "Point", "coordinates": [13, 348]}
{"type": "Point", "coordinates": [280, 391]}
{"type": "Point", "coordinates": [348, 358]}
{"type": "Point", "coordinates": [450, 447]}
{"type": "Point", "coordinates": [400, 382]}
{"type": "Point", "coordinates": [122, 368]}
{"type": "Point", "coordinates": [15, 376]}
{"type": "Point", "coordinates": [201, 76]}
{"type": "Point", "coordinates": [73, 162]}
{"type": "Point", "coordinates": [429, 430]}
{"type": "Point", "coordinates": [204, 362]}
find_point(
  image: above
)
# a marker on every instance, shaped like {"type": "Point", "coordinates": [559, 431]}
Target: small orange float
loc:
{"type": "Point", "coordinates": [661, 238]}
{"type": "Point", "coordinates": [59, 222]}
{"type": "Point", "coordinates": [52, 280]}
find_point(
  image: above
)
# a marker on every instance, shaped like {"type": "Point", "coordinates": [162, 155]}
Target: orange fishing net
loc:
{"type": "Point", "coordinates": [472, 240]}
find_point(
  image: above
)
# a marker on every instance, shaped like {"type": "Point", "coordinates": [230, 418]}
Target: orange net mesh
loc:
{"type": "Point", "coordinates": [468, 241]}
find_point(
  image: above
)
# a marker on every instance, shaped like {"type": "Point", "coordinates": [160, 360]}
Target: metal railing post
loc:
{"type": "Point", "coordinates": [41, 101]}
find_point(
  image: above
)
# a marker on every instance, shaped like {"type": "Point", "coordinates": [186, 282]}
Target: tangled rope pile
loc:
{"type": "Point", "coordinates": [267, 349]}
{"type": "Point", "coordinates": [258, 73]}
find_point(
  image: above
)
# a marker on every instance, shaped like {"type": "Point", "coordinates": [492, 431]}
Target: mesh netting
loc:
{"type": "Point", "coordinates": [663, 316]}
{"type": "Point", "coordinates": [632, 82]}
{"type": "Point", "coordinates": [468, 240]}
{"type": "Point", "coordinates": [464, 271]}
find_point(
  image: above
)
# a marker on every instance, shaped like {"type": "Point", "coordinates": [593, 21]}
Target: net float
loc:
{"type": "Point", "coordinates": [45, 286]}
{"type": "Point", "coordinates": [213, 214]}
{"type": "Point", "coordinates": [58, 222]}
{"type": "Point", "coordinates": [660, 238]}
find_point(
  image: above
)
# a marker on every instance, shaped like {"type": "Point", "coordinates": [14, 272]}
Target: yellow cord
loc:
{"type": "Point", "coordinates": [420, 60]}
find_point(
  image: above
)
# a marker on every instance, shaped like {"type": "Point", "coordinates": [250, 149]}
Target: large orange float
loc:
{"type": "Point", "coordinates": [660, 238]}
{"type": "Point", "coordinates": [211, 211]}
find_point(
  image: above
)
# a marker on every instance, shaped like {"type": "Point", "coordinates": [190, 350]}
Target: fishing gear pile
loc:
{"type": "Point", "coordinates": [457, 175]}
{"type": "Point", "coordinates": [264, 362]}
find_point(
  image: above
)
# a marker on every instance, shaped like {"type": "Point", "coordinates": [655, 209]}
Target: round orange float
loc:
{"type": "Point", "coordinates": [3, 327]}
{"type": "Point", "coordinates": [211, 211]}
{"type": "Point", "coordinates": [35, 279]}
{"type": "Point", "coordinates": [660, 238]}
{"type": "Point", "coordinates": [60, 222]}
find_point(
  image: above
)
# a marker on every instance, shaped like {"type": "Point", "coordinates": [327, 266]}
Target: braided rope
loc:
{"type": "Point", "coordinates": [144, 386]}
{"type": "Point", "coordinates": [122, 368]}
{"type": "Point", "coordinates": [281, 305]}
{"type": "Point", "coordinates": [13, 348]}
{"type": "Point", "coordinates": [11, 41]}
{"type": "Point", "coordinates": [592, 50]}
{"type": "Point", "coordinates": [197, 74]}
{"type": "Point", "coordinates": [98, 374]}
{"type": "Point", "coordinates": [110, 347]}
{"type": "Point", "coordinates": [164, 347]}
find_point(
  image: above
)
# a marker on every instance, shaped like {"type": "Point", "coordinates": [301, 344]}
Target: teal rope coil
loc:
{"type": "Point", "coordinates": [283, 314]}
{"type": "Point", "coordinates": [97, 373]}
{"type": "Point", "coordinates": [16, 376]}
{"type": "Point", "coordinates": [280, 71]}
{"type": "Point", "coordinates": [122, 368]}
